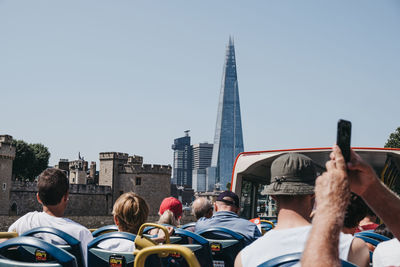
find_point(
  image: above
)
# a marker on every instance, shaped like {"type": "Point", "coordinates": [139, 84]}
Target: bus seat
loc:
{"type": "Point", "coordinates": [176, 250]}
{"type": "Point", "coordinates": [191, 224]}
{"type": "Point", "coordinates": [100, 257]}
{"type": "Point", "coordinates": [291, 259]}
{"type": "Point", "coordinates": [73, 245]}
{"type": "Point", "coordinates": [44, 252]}
{"type": "Point", "coordinates": [105, 229]}
{"type": "Point", "coordinates": [198, 244]}
{"type": "Point", "coordinates": [372, 235]}
{"type": "Point", "coordinates": [224, 243]}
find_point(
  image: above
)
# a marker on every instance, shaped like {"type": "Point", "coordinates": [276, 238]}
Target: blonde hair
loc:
{"type": "Point", "coordinates": [131, 211]}
{"type": "Point", "coordinates": [168, 217]}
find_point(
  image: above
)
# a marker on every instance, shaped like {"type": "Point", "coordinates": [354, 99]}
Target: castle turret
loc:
{"type": "Point", "coordinates": [7, 155]}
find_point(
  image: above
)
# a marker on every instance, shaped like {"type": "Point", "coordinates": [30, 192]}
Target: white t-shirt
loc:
{"type": "Point", "coordinates": [387, 254]}
{"type": "Point", "coordinates": [41, 219]}
{"type": "Point", "coordinates": [117, 245]}
{"type": "Point", "coordinates": [280, 242]}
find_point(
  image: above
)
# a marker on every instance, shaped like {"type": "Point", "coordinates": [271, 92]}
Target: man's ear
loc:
{"type": "Point", "coordinates": [38, 199]}
{"type": "Point", "coordinates": [116, 220]}
{"type": "Point", "coordinates": [215, 207]}
{"type": "Point", "coordinates": [66, 196]}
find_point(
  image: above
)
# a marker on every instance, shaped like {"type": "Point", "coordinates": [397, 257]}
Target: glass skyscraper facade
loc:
{"type": "Point", "coordinates": [228, 139]}
{"type": "Point", "coordinates": [182, 170]}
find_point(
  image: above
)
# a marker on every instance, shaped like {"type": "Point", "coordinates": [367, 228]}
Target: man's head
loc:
{"type": "Point", "coordinates": [53, 186]}
{"type": "Point", "coordinates": [292, 179]}
{"type": "Point", "coordinates": [355, 212]}
{"type": "Point", "coordinates": [202, 207]}
{"type": "Point", "coordinates": [227, 201]}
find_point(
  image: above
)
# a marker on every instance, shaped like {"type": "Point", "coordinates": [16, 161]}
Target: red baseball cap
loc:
{"type": "Point", "coordinates": [172, 204]}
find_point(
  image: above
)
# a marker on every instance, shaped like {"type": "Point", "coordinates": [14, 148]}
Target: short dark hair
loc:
{"type": "Point", "coordinates": [52, 185]}
{"type": "Point", "coordinates": [383, 230]}
{"type": "Point", "coordinates": [355, 212]}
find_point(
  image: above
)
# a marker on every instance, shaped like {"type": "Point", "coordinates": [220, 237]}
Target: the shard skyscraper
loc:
{"type": "Point", "coordinates": [228, 139]}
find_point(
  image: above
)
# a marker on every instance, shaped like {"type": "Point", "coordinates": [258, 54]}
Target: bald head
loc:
{"type": "Point", "coordinates": [202, 207]}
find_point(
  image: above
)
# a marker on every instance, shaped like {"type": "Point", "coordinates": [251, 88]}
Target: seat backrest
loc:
{"type": "Point", "coordinates": [100, 257]}
{"type": "Point", "coordinates": [177, 250]}
{"type": "Point", "coordinates": [105, 229]}
{"type": "Point", "coordinates": [191, 224]}
{"type": "Point", "coordinates": [73, 245]}
{"type": "Point", "coordinates": [292, 259]}
{"type": "Point", "coordinates": [372, 235]}
{"type": "Point", "coordinates": [44, 252]}
{"type": "Point", "coordinates": [224, 243]}
{"type": "Point", "coordinates": [198, 244]}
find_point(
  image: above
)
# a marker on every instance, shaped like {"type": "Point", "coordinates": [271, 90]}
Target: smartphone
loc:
{"type": "Point", "coordinates": [343, 138]}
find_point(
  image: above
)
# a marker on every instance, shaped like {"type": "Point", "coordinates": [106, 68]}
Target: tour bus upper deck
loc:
{"type": "Point", "coordinates": [251, 172]}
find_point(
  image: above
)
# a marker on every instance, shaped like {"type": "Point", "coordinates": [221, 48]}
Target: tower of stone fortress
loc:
{"type": "Point", "coordinates": [126, 173]}
{"type": "Point", "coordinates": [7, 155]}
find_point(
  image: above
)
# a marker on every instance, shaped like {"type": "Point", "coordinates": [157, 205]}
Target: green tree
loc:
{"type": "Point", "coordinates": [394, 139]}
{"type": "Point", "coordinates": [30, 160]}
{"type": "Point", "coordinates": [42, 155]}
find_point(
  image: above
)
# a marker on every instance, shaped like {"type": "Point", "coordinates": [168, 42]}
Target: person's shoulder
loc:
{"type": "Point", "coordinates": [389, 244]}
{"type": "Point", "coordinates": [22, 221]}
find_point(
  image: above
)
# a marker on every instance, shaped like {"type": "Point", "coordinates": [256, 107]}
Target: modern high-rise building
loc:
{"type": "Point", "coordinates": [228, 139]}
{"type": "Point", "coordinates": [182, 169]}
{"type": "Point", "coordinates": [202, 153]}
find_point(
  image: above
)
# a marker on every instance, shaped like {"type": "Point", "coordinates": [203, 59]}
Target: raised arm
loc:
{"type": "Point", "coordinates": [365, 183]}
{"type": "Point", "coordinates": [332, 194]}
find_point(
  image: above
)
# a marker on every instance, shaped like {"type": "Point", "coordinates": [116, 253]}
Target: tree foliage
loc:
{"type": "Point", "coordinates": [30, 160]}
{"type": "Point", "coordinates": [394, 139]}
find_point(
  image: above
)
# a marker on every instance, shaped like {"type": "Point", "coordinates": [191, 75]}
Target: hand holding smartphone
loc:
{"type": "Point", "coordinates": [343, 138]}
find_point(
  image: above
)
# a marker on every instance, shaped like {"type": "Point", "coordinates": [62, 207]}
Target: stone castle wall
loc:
{"type": "Point", "coordinates": [90, 200]}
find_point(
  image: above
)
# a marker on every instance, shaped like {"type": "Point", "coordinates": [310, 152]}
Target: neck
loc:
{"type": "Point", "coordinates": [55, 211]}
{"type": "Point", "coordinates": [290, 218]}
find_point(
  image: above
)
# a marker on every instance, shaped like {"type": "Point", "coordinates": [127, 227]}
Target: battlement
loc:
{"type": "Point", "coordinates": [113, 155]}
{"type": "Point", "coordinates": [6, 139]}
{"type": "Point", "coordinates": [145, 169]}
{"type": "Point", "coordinates": [135, 160]}
{"type": "Point", "coordinates": [86, 189]}
{"type": "Point", "coordinates": [7, 149]}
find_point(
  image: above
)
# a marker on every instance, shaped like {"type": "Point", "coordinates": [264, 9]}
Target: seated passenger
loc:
{"type": "Point", "coordinates": [53, 191]}
{"type": "Point", "coordinates": [292, 186]}
{"type": "Point", "coordinates": [170, 213]}
{"type": "Point", "coordinates": [202, 207]}
{"type": "Point", "coordinates": [130, 211]}
{"type": "Point", "coordinates": [227, 215]}
{"type": "Point", "coordinates": [355, 212]}
{"type": "Point", "coordinates": [369, 221]}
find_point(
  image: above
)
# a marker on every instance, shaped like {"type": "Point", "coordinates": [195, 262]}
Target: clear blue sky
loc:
{"type": "Point", "coordinates": [130, 76]}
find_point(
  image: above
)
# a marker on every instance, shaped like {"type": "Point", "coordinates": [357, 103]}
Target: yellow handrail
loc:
{"type": "Point", "coordinates": [142, 242]}
{"type": "Point", "coordinates": [8, 235]}
{"type": "Point", "coordinates": [269, 222]}
{"type": "Point", "coordinates": [166, 249]}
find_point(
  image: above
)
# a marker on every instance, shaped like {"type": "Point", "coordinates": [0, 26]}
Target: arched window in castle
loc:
{"type": "Point", "coordinates": [13, 209]}
{"type": "Point", "coordinates": [138, 180]}
{"type": "Point", "coordinates": [4, 186]}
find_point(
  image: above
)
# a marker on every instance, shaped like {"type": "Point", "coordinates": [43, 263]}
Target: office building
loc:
{"type": "Point", "coordinates": [182, 169]}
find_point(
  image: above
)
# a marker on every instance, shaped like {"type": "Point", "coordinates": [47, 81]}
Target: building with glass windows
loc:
{"type": "Point", "coordinates": [202, 153]}
{"type": "Point", "coordinates": [182, 165]}
{"type": "Point", "coordinates": [228, 139]}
